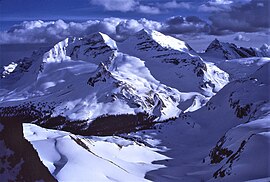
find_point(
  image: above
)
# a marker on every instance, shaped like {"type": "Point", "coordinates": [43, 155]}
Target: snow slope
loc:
{"type": "Point", "coordinates": [241, 147]}
{"type": "Point", "coordinates": [220, 128]}
{"type": "Point", "coordinates": [90, 158]}
{"type": "Point", "coordinates": [174, 63]}
{"type": "Point", "coordinates": [220, 141]}
{"type": "Point", "coordinates": [71, 67]}
{"type": "Point", "coordinates": [241, 68]}
{"type": "Point", "coordinates": [235, 61]}
{"type": "Point", "coordinates": [82, 79]}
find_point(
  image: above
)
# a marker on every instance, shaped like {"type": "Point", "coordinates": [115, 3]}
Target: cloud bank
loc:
{"type": "Point", "coordinates": [250, 16]}
{"type": "Point", "coordinates": [52, 31]}
{"type": "Point", "coordinates": [119, 29]}
{"type": "Point", "coordinates": [116, 5]}
{"type": "Point", "coordinates": [139, 6]}
{"type": "Point", "coordinates": [185, 25]}
{"type": "Point", "coordinates": [240, 37]}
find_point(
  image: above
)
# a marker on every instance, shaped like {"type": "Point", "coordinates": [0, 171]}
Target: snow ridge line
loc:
{"type": "Point", "coordinates": [83, 145]}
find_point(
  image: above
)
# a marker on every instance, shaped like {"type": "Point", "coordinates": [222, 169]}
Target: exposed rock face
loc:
{"type": "Point", "coordinates": [231, 51]}
{"type": "Point", "coordinates": [19, 160]}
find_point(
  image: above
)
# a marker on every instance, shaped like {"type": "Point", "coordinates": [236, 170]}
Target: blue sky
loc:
{"type": "Point", "coordinates": [245, 22]}
{"type": "Point", "coordinates": [15, 11]}
{"type": "Point", "coordinates": [18, 10]}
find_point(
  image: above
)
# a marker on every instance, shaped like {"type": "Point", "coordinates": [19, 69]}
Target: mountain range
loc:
{"type": "Point", "coordinates": [147, 108]}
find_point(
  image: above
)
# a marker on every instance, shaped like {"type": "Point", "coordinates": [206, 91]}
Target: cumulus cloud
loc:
{"type": "Point", "coordinates": [148, 9]}
{"type": "Point", "coordinates": [126, 5]}
{"type": "Point", "coordinates": [116, 5]}
{"type": "Point", "coordinates": [187, 25]}
{"type": "Point", "coordinates": [119, 29]}
{"type": "Point", "coordinates": [248, 17]}
{"type": "Point", "coordinates": [220, 5]}
{"type": "Point", "coordinates": [215, 6]}
{"type": "Point", "coordinates": [139, 6]}
{"type": "Point", "coordinates": [53, 31]}
{"type": "Point", "coordinates": [251, 16]}
{"type": "Point", "coordinates": [218, 2]}
{"type": "Point", "coordinates": [240, 37]}
{"type": "Point", "coordinates": [174, 5]}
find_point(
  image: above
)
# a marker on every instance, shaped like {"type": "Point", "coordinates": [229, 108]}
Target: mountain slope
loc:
{"type": "Point", "coordinates": [228, 51]}
{"type": "Point", "coordinates": [19, 161]}
{"type": "Point", "coordinates": [83, 79]}
{"type": "Point", "coordinates": [125, 159]}
{"type": "Point", "coordinates": [167, 114]}
{"type": "Point", "coordinates": [241, 147]}
{"type": "Point", "coordinates": [196, 143]}
{"type": "Point", "coordinates": [243, 67]}
{"type": "Point", "coordinates": [174, 63]}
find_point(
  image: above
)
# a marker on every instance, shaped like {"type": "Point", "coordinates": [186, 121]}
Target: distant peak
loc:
{"type": "Point", "coordinates": [98, 37]}
{"type": "Point", "coordinates": [163, 40]}
{"type": "Point", "coordinates": [150, 33]}
{"type": "Point", "coordinates": [100, 34]}
{"type": "Point", "coordinates": [265, 47]}
{"type": "Point", "coordinates": [215, 41]}
{"type": "Point", "coordinates": [215, 44]}
{"type": "Point", "coordinates": [144, 31]}
{"type": "Point", "coordinates": [108, 40]}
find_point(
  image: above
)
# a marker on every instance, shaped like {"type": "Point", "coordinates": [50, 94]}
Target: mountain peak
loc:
{"type": "Point", "coordinates": [152, 37]}
{"type": "Point", "coordinates": [231, 51]}
{"type": "Point", "coordinates": [95, 48]}
{"type": "Point", "coordinates": [216, 41]}
{"type": "Point", "coordinates": [265, 47]}
{"type": "Point", "coordinates": [144, 31]}
{"type": "Point", "coordinates": [99, 37]}
{"type": "Point", "coordinates": [215, 44]}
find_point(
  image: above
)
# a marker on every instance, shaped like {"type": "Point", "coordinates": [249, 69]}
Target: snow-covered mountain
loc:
{"type": "Point", "coordinates": [168, 113]}
{"type": "Point", "coordinates": [223, 140]}
{"type": "Point", "coordinates": [219, 142]}
{"type": "Point", "coordinates": [244, 145]}
{"type": "Point", "coordinates": [82, 79]}
{"type": "Point", "coordinates": [243, 67]}
{"type": "Point", "coordinates": [231, 51]}
{"type": "Point", "coordinates": [180, 66]}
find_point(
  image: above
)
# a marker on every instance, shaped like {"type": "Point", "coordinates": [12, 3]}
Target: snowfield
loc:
{"type": "Point", "coordinates": [75, 158]}
{"type": "Point", "coordinates": [148, 108]}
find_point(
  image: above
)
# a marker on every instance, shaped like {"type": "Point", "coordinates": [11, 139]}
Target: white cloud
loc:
{"type": "Point", "coordinates": [126, 6]}
{"type": "Point", "coordinates": [148, 9]}
{"type": "Point", "coordinates": [240, 37]}
{"type": "Point", "coordinates": [185, 25]}
{"type": "Point", "coordinates": [116, 5]}
{"type": "Point", "coordinates": [245, 17]}
{"type": "Point", "coordinates": [260, 4]}
{"type": "Point", "coordinates": [118, 29]}
{"type": "Point", "coordinates": [208, 8]}
{"type": "Point", "coordinates": [174, 5]}
{"type": "Point", "coordinates": [53, 31]}
{"type": "Point", "coordinates": [220, 5]}
{"type": "Point", "coordinates": [190, 29]}
{"type": "Point", "coordinates": [129, 27]}
{"type": "Point", "coordinates": [139, 5]}
{"type": "Point", "coordinates": [219, 2]}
